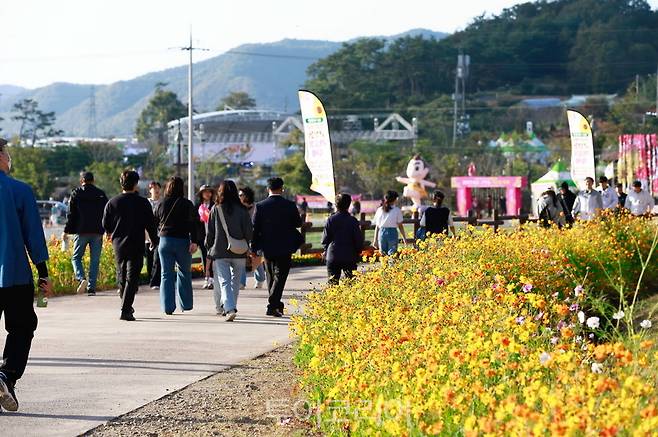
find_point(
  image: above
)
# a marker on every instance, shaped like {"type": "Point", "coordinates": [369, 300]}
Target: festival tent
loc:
{"type": "Point", "coordinates": [555, 176]}
{"type": "Point", "coordinates": [529, 145]}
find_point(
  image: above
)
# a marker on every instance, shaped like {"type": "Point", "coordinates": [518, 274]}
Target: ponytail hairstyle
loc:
{"type": "Point", "coordinates": [389, 200]}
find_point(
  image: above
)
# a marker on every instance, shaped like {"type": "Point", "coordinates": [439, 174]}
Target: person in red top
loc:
{"type": "Point", "coordinates": [203, 206]}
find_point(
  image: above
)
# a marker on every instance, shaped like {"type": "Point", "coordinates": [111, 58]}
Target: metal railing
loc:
{"type": "Point", "coordinates": [495, 221]}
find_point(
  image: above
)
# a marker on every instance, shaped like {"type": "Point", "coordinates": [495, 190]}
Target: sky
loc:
{"type": "Point", "coordinates": [103, 41]}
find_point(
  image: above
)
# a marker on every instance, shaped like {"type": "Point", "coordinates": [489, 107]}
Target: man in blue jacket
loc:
{"type": "Point", "coordinates": [21, 234]}
{"type": "Point", "coordinates": [276, 236]}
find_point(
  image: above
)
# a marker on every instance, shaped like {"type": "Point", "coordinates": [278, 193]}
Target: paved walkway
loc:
{"type": "Point", "coordinates": [87, 367]}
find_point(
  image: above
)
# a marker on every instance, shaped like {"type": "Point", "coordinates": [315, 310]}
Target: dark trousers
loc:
{"type": "Point", "coordinates": [16, 305]}
{"type": "Point", "coordinates": [153, 269]}
{"type": "Point", "coordinates": [334, 270]}
{"type": "Point", "coordinates": [128, 269]}
{"type": "Point", "coordinates": [277, 273]}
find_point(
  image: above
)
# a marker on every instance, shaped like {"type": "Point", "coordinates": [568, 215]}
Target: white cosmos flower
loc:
{"type": "Point", "coordinates": [597, 368]}
{"type": "Point", "coordinates": [544, 358]}
{"type": "Point", "coordinates": [646, 324]}
{"type": "Point", "coordinates": [593, 322]}
{"type": "Point", "coordinates": [581, 317]}
{"type": "Point", "coordinates": [618, 315]}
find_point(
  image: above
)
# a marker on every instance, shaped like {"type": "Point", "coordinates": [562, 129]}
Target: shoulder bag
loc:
{"type": "Point", "coordinates": [164, 222]}
{"type": "Point", "coordinates": [238, 247]}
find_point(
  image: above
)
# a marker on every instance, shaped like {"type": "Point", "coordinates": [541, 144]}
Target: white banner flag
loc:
{"type": "Point", "coordinates": [317, 145]}
{"type": "Point", "coordinates": [582, 148]}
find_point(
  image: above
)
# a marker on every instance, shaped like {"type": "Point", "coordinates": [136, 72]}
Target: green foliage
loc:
{"type": "Point", "coordinates": [295, 173]}
{"type": "Point", "coordinates": [106, 176]}
{"type": "Point", "coordinates": [67, 160]}
{"type": "Point", "coordinates": [29, 165]}
{"type": "Point", "coordinates": [629, 112]}
{"type": "Point", "coordinates": [237, 100]}
{"type": "Point", "coordinates": [163, 107]}
{"type": "Point", "coordinates": [101, 151]}
{"type": "Point", "coordinates": [557, 47]}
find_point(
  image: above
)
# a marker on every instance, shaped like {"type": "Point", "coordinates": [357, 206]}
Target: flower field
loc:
{"type": "Point", "coordinates": [526, 332]}
{"type": "Point", "coordinates": [60, 268]}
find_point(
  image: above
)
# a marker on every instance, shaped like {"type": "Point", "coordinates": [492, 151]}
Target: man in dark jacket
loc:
{"type": "Point", "coordinates": [84, 220]}
{"type": "Point", "coordinates": [342, 240]}
{"type": "Point", "coordinates": [566, 198]}
{"type": "Point", "coordinates": [126, 218]}
{"type": "Point", "coordinates": [276, 236]}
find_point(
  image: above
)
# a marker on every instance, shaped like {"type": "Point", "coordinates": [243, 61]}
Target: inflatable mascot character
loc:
{"type": "Point", "coordinates": [415, 181]}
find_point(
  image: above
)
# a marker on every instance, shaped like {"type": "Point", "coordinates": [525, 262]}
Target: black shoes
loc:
{"type": "Point", "coordinates": [274, 313]}
{"type": "Point", "coordinates": [8, 399]}
{"type": "Point", "coordinates": [91, 293]}
{"type": "Point", "coordinates": [127, 317]}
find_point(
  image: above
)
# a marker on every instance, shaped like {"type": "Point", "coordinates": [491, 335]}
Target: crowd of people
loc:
{"type": "Point", "coordinates": [226, 225]}
{"type": "Point", "coordinates": [564, 207]}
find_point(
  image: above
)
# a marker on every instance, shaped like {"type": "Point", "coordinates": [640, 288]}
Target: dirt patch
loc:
{"type": "Point", "coordinates": [257, 397]}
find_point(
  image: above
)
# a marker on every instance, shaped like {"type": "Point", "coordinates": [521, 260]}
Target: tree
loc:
{"type": "Point", "coordinates": [29, 164]}
{"type": "Point", "coordinates": [34, 123]}
{"type": "Point", "coordinates": [101, 151]}
{"type": "Point", "coordinates": [295, 173]}
{"type": "Point", "coordinates": [237, 100]}
{"type": "Point", "coordinates": [106, 176]}
{"type": "Point", "coordinates": [163, 107]}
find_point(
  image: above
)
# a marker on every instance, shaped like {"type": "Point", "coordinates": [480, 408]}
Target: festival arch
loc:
{"type": "Point", "coordinates": [512, 185]}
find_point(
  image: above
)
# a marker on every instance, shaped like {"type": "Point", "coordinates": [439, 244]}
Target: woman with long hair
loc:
{"type": "Point", "coordinates": [229, 224]}
{"type": "Point", "coordinates": [177, 224]}
{"type": "Point", "coordinates": [205, 202]}
{"type": "Point", "coordinates": [388, 219]}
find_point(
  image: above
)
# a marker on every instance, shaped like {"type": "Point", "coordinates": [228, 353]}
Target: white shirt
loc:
{"type": "Point", "coordinates": [587, 202]}
{"type": "Point", "coordinates": [389, 219]}
{"type": "Point", "coordinates": [639, 203]}
{"type": "Point", "coordinates": [609, 198]}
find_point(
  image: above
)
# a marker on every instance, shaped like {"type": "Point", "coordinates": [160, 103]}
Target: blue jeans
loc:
{"type": "Point", "coordinates": [175, 252]}
{"type": "Point", "coordinates": [388, 240]}
{"type": "Point", "coordinates": [259, 275]}
{"type": "Point", "coordinates": [80, 243]}
{"type": "Point", "coordinates": [227, 273]}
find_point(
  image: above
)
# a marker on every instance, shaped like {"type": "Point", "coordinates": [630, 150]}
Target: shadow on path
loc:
{"type": "Point", "coordinates": [60, 416]}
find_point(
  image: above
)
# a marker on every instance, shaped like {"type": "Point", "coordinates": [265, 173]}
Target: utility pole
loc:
{"type": "Point", "coordinates": [637, 88]}
{"type": "Point", "coordinates": [190, 127]}
{"type": "Point", "coordinates": [459, 110]}
{"type": "Point", "coordinates": [91, 130]}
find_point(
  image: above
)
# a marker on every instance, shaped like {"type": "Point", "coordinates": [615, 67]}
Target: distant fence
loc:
{"type": "Point", "coordinates": [366, 225]}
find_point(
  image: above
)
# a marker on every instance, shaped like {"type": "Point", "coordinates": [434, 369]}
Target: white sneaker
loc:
{"type": "Point", "coordinates": [231, 316]}
{"type": "Point", "coordinates": [258, 284]}
{"type": "Point", "coordinates": [82, 287]}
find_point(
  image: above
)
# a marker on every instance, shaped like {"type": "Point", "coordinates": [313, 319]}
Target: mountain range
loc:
{"type": "Point", "coordinates": [269, 72]}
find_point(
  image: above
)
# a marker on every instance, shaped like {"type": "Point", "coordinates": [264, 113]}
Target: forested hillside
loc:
{"type": "Point", "coordinates": [544, 47]}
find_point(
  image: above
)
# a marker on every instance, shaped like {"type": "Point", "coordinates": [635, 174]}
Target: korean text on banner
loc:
{"type": "Point", "coordinates": [317, 145]}
{"type": "Point", "coordinates": [582, 148]}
